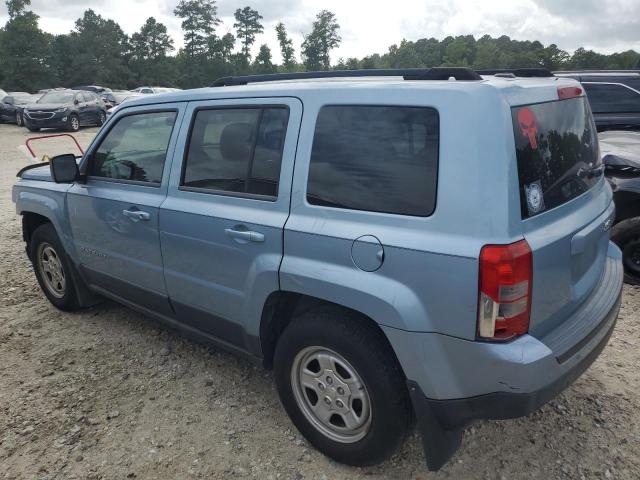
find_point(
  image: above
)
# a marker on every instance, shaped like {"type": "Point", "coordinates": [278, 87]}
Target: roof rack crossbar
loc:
{"type": "Point", "coordinates": [437, 73]}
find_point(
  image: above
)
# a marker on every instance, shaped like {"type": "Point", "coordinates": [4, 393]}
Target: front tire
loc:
{"type": "Point", "coordinates": [73, 124]}
{"type": "Point", "coordinates": [52, 268]}
{"type": "Point", "coordinates": [19, 120]}
{"type": "Point", "coordinates": [342, 386]}
{"type": "Point", "coordinates": [626, 234]}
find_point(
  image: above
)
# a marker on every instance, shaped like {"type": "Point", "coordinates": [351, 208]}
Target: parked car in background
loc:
{"type": "Point", "coordinates": [147, 90]}
{"type": "Point", "coordinates": [398, 272]}
{"type": "Point", "coordinates": [92, 88]}
{"type": "Point", "coordinates": [129, 97]}
{"type": "Point", "coordinates": [68, 109]}
{"type": "Point", "coordinates": [116, 97]}
{"type": "Point", "coordinates": [12, 106]}
{"type": "Point", "coordinates": [614, 97]}
{"type": "Point", "coordinates": [621, 157]}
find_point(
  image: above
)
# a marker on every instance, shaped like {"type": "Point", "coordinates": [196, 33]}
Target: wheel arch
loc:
{"type": "Point", "coordinates": [30, 222]}
{"type": "Point", "coordinates": [281, 308]}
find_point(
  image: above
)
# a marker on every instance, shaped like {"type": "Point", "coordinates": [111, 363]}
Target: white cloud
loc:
{"type": "Point", "coordinates": [371, 26]}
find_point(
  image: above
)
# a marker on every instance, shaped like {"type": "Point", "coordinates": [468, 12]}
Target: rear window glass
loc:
{"type": "Point", "coordinates": [375, 158]}
{"type": "Point", "coordinates": [557, 151]}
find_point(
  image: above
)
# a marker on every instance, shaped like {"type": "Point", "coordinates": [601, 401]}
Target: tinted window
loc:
{"type": "Point", "coordinates": [556, 145]}
{"type": "Point", "coordinates": [237, 150]}
{"type": "Point", "coordinates": [135, 148]}
{"type": "Point", "coordinates": [380, 159]}
{"type": "Point", "coordinates": [608, 98]}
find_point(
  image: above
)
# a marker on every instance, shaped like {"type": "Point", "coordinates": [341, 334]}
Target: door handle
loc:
{"type": "Point", "coordinates": [136, 215]}
{"type": "Point", "coordinates": [244, 236]}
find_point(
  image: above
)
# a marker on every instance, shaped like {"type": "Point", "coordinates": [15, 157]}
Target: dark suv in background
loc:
{"type": "Point", "coordinates": [614, 97]}
{"type": "Point", "coordinates": [69, 109]}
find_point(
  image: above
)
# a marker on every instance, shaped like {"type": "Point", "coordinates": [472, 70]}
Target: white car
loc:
{"type": "Point", "coordinates": [147, 90]}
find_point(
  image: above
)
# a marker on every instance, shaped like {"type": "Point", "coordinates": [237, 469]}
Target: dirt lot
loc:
{"type": "Point", "coordinates": [108, 393]}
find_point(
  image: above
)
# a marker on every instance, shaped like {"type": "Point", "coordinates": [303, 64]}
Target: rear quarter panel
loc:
{"type": "Point", "coordinates": [429, 279]}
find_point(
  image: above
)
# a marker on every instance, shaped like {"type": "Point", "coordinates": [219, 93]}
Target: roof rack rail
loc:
{"type": "Point", "coordinates": [436, 73]}
{"type": "Point", "coordinates": [518, 72]}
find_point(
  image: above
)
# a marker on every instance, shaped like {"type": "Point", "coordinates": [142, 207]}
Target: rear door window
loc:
{"type": "Point", "coordinates": [236, 151]}
{"type": "Point", "coordinates": [612, 98]}
{"type": "Point", "coordinates": [375, 158]}
{"type": "Point", "coordinates": [557, 153]}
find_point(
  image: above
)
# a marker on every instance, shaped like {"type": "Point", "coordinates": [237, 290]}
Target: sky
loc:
{"type": "Point", "coordinates": [371, 26]}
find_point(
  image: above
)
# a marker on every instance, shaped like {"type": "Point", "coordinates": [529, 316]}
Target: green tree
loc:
{"type": "Point", "coordinates": [587, 59]}
{"type": "Point", "coordinates": [150, 48]}
{"type": "Point", "coordinates": [100, 52]}
{"type": "Point", "coordinates": [152, 41]}
{"type": "Point", "coordinates": [318, 44]}
{"type": "Point", "coordinates": [24, 49]}
{"type": "Point", "coordinates": [286, 48]}
{"type": "Point", "coordinates": [263, 63]}
{"type": "Point", "coordinates": [248, 26]}
{"type": "Point", "coordinates": [199, 20]}
{"type": "Point", "coordinates": [222, 47]}
{"type": "Point", "coordinates": [552, 57]}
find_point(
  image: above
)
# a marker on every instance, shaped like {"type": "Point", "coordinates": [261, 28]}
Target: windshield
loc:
{"type": "Point", "coordinates": [121, 96]}
{"type": "Point", "coordinates": [557, 152]}
{"type": "Point", "coordinates": [57, 97]}
{"type": "Point", "coordinates": [23, 98]}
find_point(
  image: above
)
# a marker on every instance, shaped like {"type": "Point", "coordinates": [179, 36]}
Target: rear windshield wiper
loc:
{"type": "Point", "coordinates": [590, 172]}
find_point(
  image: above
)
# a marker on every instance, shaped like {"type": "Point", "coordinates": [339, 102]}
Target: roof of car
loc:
{"type": "Point", "coordinates": [513, 87]}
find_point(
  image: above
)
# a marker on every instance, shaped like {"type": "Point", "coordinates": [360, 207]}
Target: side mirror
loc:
{"type": "Point", "coordinates": [64, 168]}
{"type": "Point", "coordinates": [76, 101]}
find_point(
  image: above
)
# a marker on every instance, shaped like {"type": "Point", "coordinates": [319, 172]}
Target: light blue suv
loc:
{"type": "Point", "coordinates": [421, 246]}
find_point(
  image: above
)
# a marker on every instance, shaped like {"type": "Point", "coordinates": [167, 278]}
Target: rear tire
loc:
{"type": "Point", "coordinates": [52, 268]}
{"type": "Point", "coordinates": [342, 386]}
{"type": "Point", "coordinates": [626, 235]}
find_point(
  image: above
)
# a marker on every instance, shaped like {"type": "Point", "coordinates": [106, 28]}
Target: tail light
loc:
{"type": "Point", "coordinates": [505, 291]}
{"type": "Point", "coordinates": [564, 93]}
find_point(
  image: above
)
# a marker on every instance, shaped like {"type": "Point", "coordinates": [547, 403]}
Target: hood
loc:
{"type": "Point", "coordinates": [46, 106]}
{"type": "Point", "coordinates": [620, 148]}
{"type": "Point", "coordinates": [41, 173]}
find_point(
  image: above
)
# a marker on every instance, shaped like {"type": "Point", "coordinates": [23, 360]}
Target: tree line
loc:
{"type": "Point", "coordinates": [97, 51]}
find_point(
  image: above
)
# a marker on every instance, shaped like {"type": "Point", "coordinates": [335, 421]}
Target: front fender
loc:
{"type": "Point", "coordinates": [50, 202]}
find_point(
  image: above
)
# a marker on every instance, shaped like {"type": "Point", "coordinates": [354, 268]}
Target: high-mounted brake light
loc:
{"type": "Point", "coordinates": [504, 304]}
{"type": "Point", "coordinates": [564, 93]}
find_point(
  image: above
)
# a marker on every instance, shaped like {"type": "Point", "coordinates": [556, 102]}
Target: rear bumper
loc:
{"type": "Point", "coordinates": [457, 413]}
{"type": "Point", "coordinates": [453, 381]}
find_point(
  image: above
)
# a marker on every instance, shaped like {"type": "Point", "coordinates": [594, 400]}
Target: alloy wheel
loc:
{"type": "Point", "coordinates": [331, 394]}
{"type": "Point", "coordinates": [51, 270]}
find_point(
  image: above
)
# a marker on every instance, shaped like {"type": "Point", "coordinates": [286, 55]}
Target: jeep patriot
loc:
{"type": "Point", "coordinates": [418, 247]}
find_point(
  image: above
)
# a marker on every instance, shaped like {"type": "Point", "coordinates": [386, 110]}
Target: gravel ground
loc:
{"type": "Point", "coordinates": [108, 393]}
